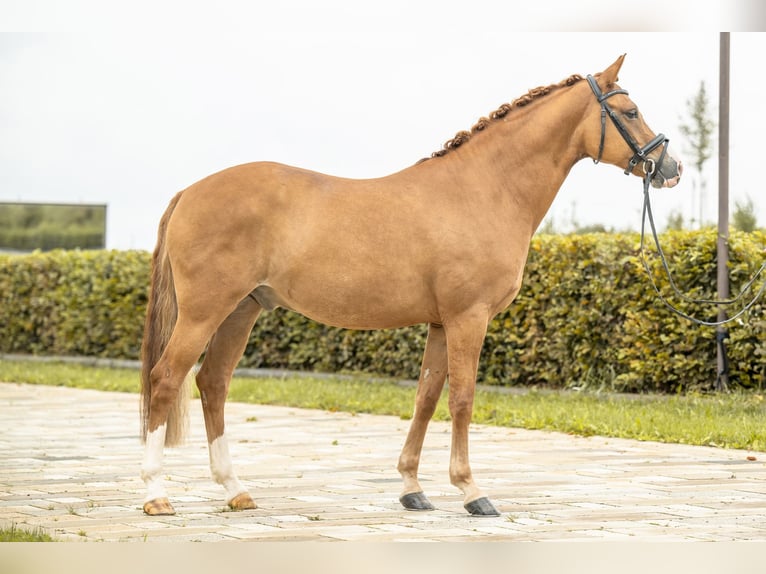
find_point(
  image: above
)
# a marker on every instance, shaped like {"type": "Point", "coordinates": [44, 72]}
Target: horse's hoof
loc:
{"type": "Point", "coordinates": [481, 507]}
{"type": "Point", "coordinates": [159, 507]}
{"type": "Point", "coordinates": [243, 501]}
{"type": "Point", "coordinates": [416, 501]}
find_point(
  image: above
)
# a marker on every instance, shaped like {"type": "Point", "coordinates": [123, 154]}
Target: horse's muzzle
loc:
{"type": "Point", "coordinates": [668, 174]}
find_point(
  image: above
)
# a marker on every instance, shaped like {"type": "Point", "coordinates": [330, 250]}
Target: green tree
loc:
{"type": "Point", "coordinates": [547, 227]}
{"type": "Point", "coordinates": [675, 221]}
{"type": "Point", "coordinates": [698, 132]}
{"type": "Point", "coordinates": [744, 217]}
{"type": "Point", "coordinates": [591, 228]}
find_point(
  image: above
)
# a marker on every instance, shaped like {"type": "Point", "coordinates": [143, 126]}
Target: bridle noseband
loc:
{"type": "Point", "coordinates": [639, 153]}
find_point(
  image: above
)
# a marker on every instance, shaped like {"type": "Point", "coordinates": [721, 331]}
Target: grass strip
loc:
{"type": "Point", "coordinates": [735, 420]}
{"type": "Point", "coordinates": [14, 533]}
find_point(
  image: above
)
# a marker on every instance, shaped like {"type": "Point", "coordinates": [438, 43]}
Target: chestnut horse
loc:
{"type": "Point", "coordinates": [443, 242]}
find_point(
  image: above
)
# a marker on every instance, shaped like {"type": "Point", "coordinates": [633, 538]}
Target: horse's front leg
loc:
{"type": "Point", "coordinates": [465, 336]}
{"type": "Point", "coordinates": [433, 373]}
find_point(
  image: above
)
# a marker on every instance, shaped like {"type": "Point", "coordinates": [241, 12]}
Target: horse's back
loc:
{"type": "Point", "coordinates": [307, 241]}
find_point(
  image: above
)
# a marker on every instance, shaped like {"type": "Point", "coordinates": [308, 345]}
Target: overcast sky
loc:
{"type": "Point", "coordinates": [129, 118]}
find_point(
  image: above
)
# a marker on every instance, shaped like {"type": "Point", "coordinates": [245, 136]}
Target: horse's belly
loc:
{"type": "Point", "coordinates": [364, 305]}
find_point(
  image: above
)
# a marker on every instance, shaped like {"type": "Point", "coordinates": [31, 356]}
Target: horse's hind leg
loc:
{"type": "Point", "coordinates": [223, 353]}
{"type": "Point", "coordinates": [168, 375]}
{"type": "Point", "coordinates": [433, 373]}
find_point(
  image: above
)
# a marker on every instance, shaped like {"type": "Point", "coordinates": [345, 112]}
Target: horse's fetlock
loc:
{"type": "Point", "coordinates": [460, 478]}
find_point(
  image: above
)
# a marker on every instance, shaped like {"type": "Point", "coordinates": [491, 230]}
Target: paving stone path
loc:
{"type": "Point", "coordinates": [69, 463]}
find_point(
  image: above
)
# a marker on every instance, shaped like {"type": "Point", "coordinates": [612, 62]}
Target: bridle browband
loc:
{"type": "Point", "coordinates": [639, 153]}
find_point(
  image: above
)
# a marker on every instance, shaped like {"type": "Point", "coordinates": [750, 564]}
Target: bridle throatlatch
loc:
{"type": "Point", "coordinates": [650, 168]}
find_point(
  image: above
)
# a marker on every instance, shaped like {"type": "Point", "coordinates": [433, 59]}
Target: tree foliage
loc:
{"type": "Point", "coordinates": [26, 227]}
{"type": "Point", "coordinates": [699, 130]}
{"type": "Point", "coordinates": [744, 217]}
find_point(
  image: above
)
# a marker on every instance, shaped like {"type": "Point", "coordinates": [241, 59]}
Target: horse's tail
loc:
{"type": "Point", "coordinates": [161, 315]}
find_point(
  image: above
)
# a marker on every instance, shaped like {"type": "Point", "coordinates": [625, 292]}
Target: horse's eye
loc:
{"type": "Point", "coordinates": [632, 114]}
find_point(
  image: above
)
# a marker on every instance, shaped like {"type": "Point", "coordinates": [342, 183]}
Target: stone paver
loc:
{"type": "Point", "coordinates": [69, 463]}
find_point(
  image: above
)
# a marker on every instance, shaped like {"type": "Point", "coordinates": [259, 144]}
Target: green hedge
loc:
{"type": "Point", "coordinates": [74, 303]}
{"type": "Point", "coordinates": [586, 316]}
{"type": "Point", "coordinates": [51, 238]}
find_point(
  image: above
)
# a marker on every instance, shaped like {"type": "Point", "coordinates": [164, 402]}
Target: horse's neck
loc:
{"type": "Point", "coordinates": [524, 159]}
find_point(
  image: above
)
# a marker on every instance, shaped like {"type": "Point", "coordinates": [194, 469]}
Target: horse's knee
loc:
{"type": "Point", "coordinates": [425, 406]}
{"type": "Point", "coordinates": [461, 406]}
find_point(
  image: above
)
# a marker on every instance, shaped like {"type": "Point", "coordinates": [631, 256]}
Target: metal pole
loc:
{"type": "Point", "coordinates": [722, 381]}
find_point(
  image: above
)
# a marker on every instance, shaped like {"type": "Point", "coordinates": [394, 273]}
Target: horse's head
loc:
{"type": "Point", "coordinates": [616, 133]}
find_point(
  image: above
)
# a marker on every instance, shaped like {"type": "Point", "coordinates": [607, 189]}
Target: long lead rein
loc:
{"type": "Point", "coordinates": [647, 211]}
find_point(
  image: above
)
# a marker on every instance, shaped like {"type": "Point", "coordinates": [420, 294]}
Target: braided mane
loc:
{"type": "Point", "coordinates": [463, 136]}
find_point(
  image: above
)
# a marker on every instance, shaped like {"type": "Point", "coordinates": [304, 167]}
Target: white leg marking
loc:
{"type": "Point", "coordinates": [151, 470]}
{"type": "Point", "coordinates": [222, 470]}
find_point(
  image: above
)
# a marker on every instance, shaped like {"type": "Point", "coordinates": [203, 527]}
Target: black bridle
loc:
{"type": "Point", "coordinates": [639, 153]}
{"type": "Point", "coordinates": [651, 167]}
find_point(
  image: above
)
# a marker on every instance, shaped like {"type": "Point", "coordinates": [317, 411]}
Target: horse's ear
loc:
{"type": "Point", "coordinates": [609, 76]}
